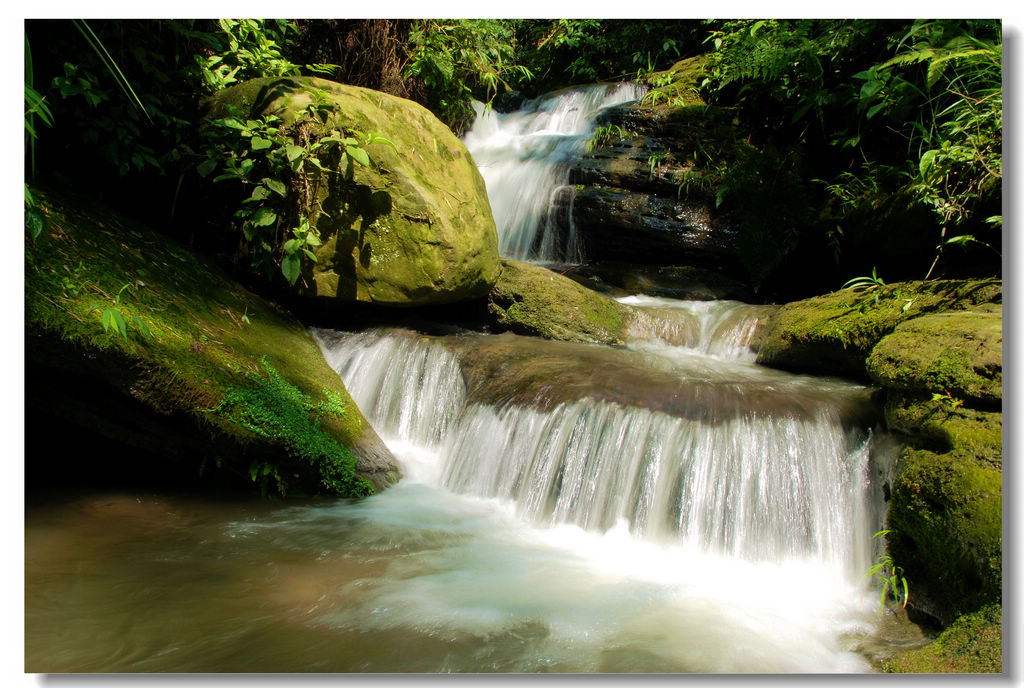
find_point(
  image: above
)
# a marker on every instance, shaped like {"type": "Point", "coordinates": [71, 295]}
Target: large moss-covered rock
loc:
{"type": "Point", "coordinates": [412, 228]}
{"type": "Point", "coordinates": [956, 353]}
{"type": "Point", "coordinates": [532, 300]}
{"type": "Point", "coordinates": [197, 382]}
{"type": "Point", "coordinates": [944, 424]}
{"type": "Point", "coordinates": [971, 645]}
{"type": "Point", "coordinates": [835, 333]}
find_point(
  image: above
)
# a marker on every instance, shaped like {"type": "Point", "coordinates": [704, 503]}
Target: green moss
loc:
{"type": "Point", "coordinates": [206, 333]}
{"type": "Point", "coordinates": [274, 409]}
{"type": "Point", "coordinates": [532, 300]}
{"type": "Point", "coordinates": [971, 645]}
{"type": "Point", "coordinates": [835, 333]}
{"type": "Point", "coordinates": [415, 226]}
{"type": "Point", "coordinates": [955, 353]}
{"type": "Point", "coordinates": [678, 85]}
{"type": "Point", "coordinates": [946, 521]}
{"type": "Point", "coordinates": [944, 424]}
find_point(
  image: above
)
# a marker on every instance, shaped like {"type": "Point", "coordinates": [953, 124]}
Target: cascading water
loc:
{"type": "Point", "coordinates": [666, 506]}
{"type": "Point", "coordinates": [524, 158]}
{"type": "Point", "coordinates": [747, 497]}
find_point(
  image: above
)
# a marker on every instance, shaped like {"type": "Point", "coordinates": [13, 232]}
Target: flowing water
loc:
{"type": "Point", "coordinates": [566, 508]}
{"type": "Point", "coordinates": [667, 506]}
{"type": "Point", "coordinates": [524, 158]}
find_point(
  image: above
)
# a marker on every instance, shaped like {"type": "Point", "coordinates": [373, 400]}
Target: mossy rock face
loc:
{"type": "Point", "coordinates": [946, 425]}
{"type": "Point", "coordinates": [946, 521]}
{"type": "Point", "coordinates": [414, 227]}
{"type": "Point", "coordinates": [206, 378]}
{"type": "Point", "coordinates": [531, 300]}
{"type": "Point", "coordinates": [679, 85]}
{"type": "Point", "coordinates": [971, 645]}
{"type": "Point", "coordinates": [835, 333]}
{"type": "Point", "coordinates": [957, 353]}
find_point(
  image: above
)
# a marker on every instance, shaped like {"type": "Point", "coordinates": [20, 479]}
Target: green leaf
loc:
{"type": "Point", "coordinates": [869, 88]}
{"type": "Point", "coordinates": [312, 256]}
{"type": "Point", "coordinates": [260, 193]}
{"type": "Point", "coordinates": [275, 185]}
{"type": "Point", "coordinates": [260, 143]}
{"type": "Point", "coordinates": [264, 217]}
{"type": "Point", "coordinates": [112, 320]}
{"type": "Point", "coordinates": [291, 267]}
{"type": "Point", "coordinates": [374, 138]}
{"type": "Point", "coordinates": [875, 109]}
{"type": "Point", "coordinates": [359, 155]}
{"type": "Point", "coordinates": [291, 245]}
{"type": "Point", "coordinates": [292, 152]}
{"type": "Point", "coordinates": [926, 161]}
{"type": "Point", "coordinates": [962, 240]}
{"type": "Point", "coordinates": [142, 327]}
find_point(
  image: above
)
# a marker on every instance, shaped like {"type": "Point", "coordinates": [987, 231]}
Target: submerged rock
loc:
{"type": "Point", "coordinates": [412, 228]}
{"type": "Point", "coordinates": [146, 363]}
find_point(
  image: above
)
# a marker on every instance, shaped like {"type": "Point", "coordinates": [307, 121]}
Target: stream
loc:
{"type": "Point", "coordinates": [547, 522]}
{"type": "Point", "coordinates": [666, 506]}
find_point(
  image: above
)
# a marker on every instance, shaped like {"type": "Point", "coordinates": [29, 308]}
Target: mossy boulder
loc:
{"type": "Point", "coordinates": [956, 353]}
{"type": "Point", "coordinates": [412, 228]}
{"type": "Point", "coordinates": [971, 645]}
{"type": "Point", "coordinates": [531, 300]}
{"type": "Point", "coordinates": [943, 424]}
{"type": "Point", "coordinates": [835, 333]}
{"type": "Point", "coordinates": [195, 380]}
{"type": "Point", "coordinates": [946, 521]}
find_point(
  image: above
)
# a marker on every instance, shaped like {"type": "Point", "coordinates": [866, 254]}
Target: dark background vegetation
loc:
{"type": "Point", "coordinates": [873, 146]}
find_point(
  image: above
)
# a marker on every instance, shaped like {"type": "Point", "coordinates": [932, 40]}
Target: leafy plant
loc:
{"type": "Point", "coordinates": [284, 166]}
{"type": "Point", "coordinates": [959, 131]}
{"type": "Point", "coordinates": [271, 407]}
{"type": "Point", "coordinates": [894, 584]}
{"type": "Point", "coordinates": [112, 318]}
{"type": "Point", "coordinates": [870, 282]}
{"type": "Point", "coordinates": [459, 59]}
{"type": "Point", "coordinates": [603, 135]}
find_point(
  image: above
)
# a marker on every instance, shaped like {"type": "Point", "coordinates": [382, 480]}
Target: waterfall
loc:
{"type": "Point", "coordinates": [748, 463]}
{"type": "Point", "coordinates": [720, 329]}
{"type": "Point", "coordinates": [524, 158]}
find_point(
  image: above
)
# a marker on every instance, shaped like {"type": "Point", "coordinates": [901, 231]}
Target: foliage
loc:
{"type": "Point", "coordinates": [893, 583]}
{"type": "Point", "coordinates": [960, 130]}
{"type": "Point", "coordinates": [460, 59]}
{"type": "Point", "coordinates": [273, 408]}
{"type": "Point", "coordinates": [574, 51]}
{"type": "Point", "coordinates": [244, 49]}
{"type": "Point", "coordinates": [864, 281]}
{"type": "Point", "coordinates": [603, 136]}
{"type": "Point", "coordinates": [882, 111]}
{"type": "Point", "coordinates": [284, 166]}
{"type": "Point", "coordinates": [112, 318]}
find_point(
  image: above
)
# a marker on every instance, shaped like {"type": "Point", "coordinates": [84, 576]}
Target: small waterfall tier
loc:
{"type": "Point", "coordinates": [720, 456]}
{"type": "Point", "coordinates": [524, 158]}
